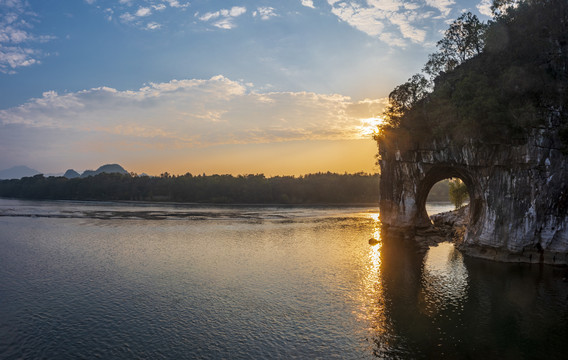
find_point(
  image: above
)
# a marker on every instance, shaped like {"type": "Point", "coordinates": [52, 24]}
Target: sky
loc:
{"type": "Point", "coordinates": [218, 87]}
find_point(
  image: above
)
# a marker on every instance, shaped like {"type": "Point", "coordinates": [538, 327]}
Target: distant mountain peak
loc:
{"type": "Point", "coordinates": [71, 174]}
{"type": "Point", "coordinates": [17, 172]}
{"type": "Point", "coordinates": [107, 168]}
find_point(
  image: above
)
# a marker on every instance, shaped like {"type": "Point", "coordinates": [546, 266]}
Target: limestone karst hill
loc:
{"type": "Point", "coordinates": [498, 120]}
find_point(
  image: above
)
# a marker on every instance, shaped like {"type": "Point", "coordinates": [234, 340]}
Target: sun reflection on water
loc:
{"type": "Point", "coordinates": [372, 300]}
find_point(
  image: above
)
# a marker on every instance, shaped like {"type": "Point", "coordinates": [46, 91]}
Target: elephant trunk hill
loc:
{"type": "Point", "coordinates": [498, 122]}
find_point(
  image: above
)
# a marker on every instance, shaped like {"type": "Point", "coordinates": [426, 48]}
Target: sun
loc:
{"type": "Point", "coordinates": [369, 126]}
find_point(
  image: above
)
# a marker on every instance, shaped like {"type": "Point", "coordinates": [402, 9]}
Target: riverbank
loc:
{"type": "Point", "coordinates": [451, 226]}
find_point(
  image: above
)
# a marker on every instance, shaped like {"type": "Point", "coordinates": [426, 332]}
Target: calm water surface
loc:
{"type": "Point", "coordinates": [120, 281]}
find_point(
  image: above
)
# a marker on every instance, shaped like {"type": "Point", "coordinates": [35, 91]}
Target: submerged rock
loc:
{"type": "Point", "coordinates": [373, 241]}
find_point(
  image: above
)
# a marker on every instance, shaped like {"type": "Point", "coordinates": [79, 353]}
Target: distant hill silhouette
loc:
{"type": "Point", "coordinates": [108, 168]}
{"type": "Point", "coordinates": [17, 172]}
{"type": "Point", "coordinates": [71, 174]}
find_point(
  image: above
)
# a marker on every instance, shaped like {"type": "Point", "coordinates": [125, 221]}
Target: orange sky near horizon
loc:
{"type": "Point", "coordinates": [293, 88]}
{"type": "Point", "coordinates": [271, 159]}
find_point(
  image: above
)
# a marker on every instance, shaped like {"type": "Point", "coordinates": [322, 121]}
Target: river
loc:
{"type": "Point", "coordinates": [146, 281]}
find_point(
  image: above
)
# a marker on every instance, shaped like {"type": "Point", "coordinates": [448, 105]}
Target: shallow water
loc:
{"type": "Point", "coordinates": [433, 208]}
{"type": "Point", "coordinates": [112, 280]}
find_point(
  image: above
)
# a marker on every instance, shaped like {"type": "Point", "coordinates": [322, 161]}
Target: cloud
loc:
{"type": "Point", "coordinates": [224, 18]}
{"type": "Point", "coordinates": [176, 4]}
{"type": "Point", "coordinates": [12, 57]}
{"type": "Point", "coordinates": [484, 7]}
{"type": "Point", "coordinates": [153, 26]}
{"type": "Point", "coordinates": [17, 47]}
{"type": "Point", "coordinates": [140, 13]}
{"type": "Point", "coordinates": [264, 12]}
{"type": "Point", "coordinates": [196, 113]}
{"type": "Point", "coordinates": [393, 21]}
{"type": "Point", "coordinates": [127, 17]}
{"type": "Point", "coordinates": [109, 13]}
{"type": "Point", "coordinates": [444, 6]}
{"type": "Point", "coordinates": [143, 11]}
{"type": "Point", "coordinates": [367, 20]}
{"type": "Point", "coordinates": [308, 3]}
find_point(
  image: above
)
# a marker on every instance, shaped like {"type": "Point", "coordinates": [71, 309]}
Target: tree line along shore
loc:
{"type": "Point", "coordinates": [319, 188]}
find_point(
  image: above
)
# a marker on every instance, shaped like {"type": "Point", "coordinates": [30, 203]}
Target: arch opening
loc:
{"type": "Point", "coordinates": [447, 195]}
{"type": "Point", "coordinates": [441, 173]}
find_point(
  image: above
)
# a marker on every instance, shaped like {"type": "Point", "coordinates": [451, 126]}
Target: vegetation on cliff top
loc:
{"type": "Point", "coordinates": [489, 81]}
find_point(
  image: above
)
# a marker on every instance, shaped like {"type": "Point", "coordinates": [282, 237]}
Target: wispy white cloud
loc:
{"type": "Point", "coordinates": [176, 4]}
{"type": "Point", "coordinates": [140, 13]}
{"type": "Point", "coordinates": [264, 12]}
{"type": "Point", "coordinates": [109, 13]}
{"type": "Point", "coordinates": [444, 6]}
{"type": "Point", "coordinates": [224, 18]}
{"type": "Point", "coordinates": [193, 113]}
{"type": "Point", "coordinates": [393, 21]}
{"type": "Point", "coordinates": [308, 3]}
{"type": "Point", "coordinates": [143, 11]}
{"type": "Point", "coordinates": [127, 17]}
{"type": "Point", "coordinates": [153, 26]}
{"type": "Point", "coordinates": [366, 19]}
{"type": "Point", "coordinates": [17, 41]}
{"type": "Point", "coordinates": [12, 57]}
{"type": "Point", "coordinates": [404, 22]}
{"type": "Point", "coordinates": [484, 7]}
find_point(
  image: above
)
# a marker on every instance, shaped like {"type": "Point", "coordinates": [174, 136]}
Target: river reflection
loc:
{"type": "Point", "coordinates": [122, 281]}
{"type": "Point", "coordinates": [372, 297]}
{"type": "Point", "coordinates": [444, 280]}
{"type": "Point", "coordinates": [442, 305]}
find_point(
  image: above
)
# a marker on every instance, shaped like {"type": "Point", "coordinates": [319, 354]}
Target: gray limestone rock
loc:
{"type": "Point", "coordinates": [518, 192]}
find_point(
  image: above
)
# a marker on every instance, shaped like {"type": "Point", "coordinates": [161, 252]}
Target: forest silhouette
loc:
{"type": "Point", "coordinates": [319, 188]}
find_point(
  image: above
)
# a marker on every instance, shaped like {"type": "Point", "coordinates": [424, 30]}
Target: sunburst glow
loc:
{"type": "Point", "coordinates": [369, 126]}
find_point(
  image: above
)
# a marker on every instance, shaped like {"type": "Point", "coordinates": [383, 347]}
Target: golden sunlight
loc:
{"type": "Point", "coordinates": [372, 301]}
{"type": "Point", "coordinates": [369, 126]}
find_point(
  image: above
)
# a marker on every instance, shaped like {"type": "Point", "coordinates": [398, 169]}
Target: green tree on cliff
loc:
{"type": "Point", "coordinates": [492, 82]}
{"type": "Point", "coordinates": [458, 193]}
{"type": "Point", "coordinates": [463, 40]}
{"type": "Point", "coordinates": [403, 98]}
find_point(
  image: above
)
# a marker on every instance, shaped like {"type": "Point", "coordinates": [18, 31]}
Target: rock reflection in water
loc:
{"type": "Point", "coordinates": [419, 299]}
{"type": "Point", "coordinates": [441, 305]}
{"type": "Point", "coordinates": [444, 280]}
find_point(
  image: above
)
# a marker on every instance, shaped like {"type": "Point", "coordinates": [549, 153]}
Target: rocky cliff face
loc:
{"type": "Point", "coordinates": [518, 192]}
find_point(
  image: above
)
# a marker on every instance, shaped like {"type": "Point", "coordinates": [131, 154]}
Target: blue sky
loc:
{"type": "Point", "coordinates": [278, 87]}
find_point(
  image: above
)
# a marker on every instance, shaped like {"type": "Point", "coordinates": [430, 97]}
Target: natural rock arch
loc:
{"type": "Point", "coordinates": [441, 172]}
{"type": "Point", "coordinates": [518, 192]}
